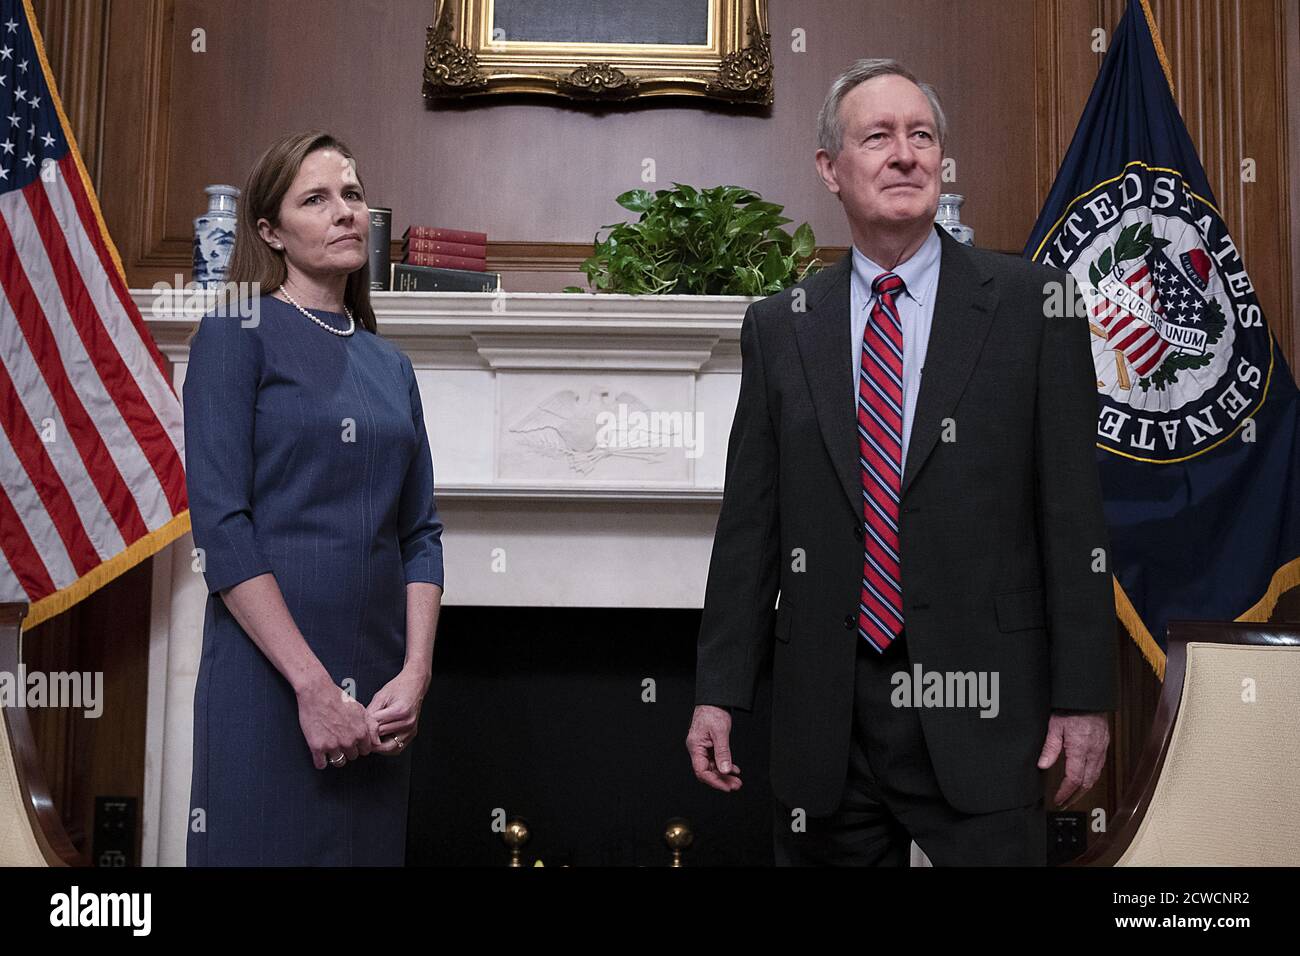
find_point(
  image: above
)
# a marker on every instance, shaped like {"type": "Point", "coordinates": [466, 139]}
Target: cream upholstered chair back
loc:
{"type": "Point", "coordinates": [1228, 790]}
{"type": "Point", "coordinates": [30, 832]}
{"type": "Point", "coordinates": [18, 845]}
{"type": "Point", "coordinates": [1219, 780]}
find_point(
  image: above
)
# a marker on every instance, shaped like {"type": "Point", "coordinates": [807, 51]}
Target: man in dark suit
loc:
{"type": "Point", "coordinates": [945, 622]}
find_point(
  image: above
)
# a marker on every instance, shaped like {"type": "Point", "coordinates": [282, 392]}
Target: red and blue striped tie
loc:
{"type": "Point", "coordinates": [880, 453]}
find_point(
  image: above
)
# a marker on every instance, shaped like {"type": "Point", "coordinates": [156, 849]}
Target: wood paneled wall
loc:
{"type": "Point", "coordinates": [158, 119]}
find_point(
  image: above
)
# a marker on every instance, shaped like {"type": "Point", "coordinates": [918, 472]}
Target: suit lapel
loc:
{"type": "Point", "coordinates": [822, 332]}
{"type": "Point", "coordinates": [963, 310]}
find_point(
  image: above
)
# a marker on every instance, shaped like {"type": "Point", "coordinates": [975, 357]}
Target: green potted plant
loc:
{"type": "Point", "coordinates": [720, 241]}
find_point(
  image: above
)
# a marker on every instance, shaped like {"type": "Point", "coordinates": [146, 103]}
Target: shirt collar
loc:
{"type": "Point", "coordinates": [914, 272]}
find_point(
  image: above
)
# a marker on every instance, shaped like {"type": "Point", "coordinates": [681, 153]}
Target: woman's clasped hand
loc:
{"type": "Point", "coordinates": [338, 729]}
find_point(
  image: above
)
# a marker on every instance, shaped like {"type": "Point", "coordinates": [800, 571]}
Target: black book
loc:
{"type": "Point", "coordinates": [409, 278]}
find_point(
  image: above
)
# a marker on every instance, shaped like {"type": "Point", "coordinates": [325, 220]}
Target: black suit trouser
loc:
{"type": "Point", "coordinates": [891, 795]}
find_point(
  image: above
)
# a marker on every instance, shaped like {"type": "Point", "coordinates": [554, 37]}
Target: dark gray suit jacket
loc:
{"type": "Point", "coordinates": [999, 530]}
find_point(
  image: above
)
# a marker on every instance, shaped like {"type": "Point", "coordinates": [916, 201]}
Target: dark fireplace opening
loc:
{"type": "Point", "coordinates": [542, 713]}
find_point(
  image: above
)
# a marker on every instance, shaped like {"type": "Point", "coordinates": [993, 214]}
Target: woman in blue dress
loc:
{"type": "Point", "coordinates": [311, 499]}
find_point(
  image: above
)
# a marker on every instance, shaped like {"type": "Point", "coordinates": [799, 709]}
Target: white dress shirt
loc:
{"type": "Point", "coordinates": [915, 308]}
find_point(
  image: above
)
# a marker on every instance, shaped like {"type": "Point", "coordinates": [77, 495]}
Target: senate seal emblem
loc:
{"type": "Point", "coordinates": [1181, 350]}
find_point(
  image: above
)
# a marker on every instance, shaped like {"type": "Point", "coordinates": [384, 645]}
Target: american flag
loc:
{"type": "Point", "coordinates": [91, 443]}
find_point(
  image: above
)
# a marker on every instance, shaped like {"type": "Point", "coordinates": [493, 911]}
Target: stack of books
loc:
{"type": "Point", "coordinates": [443, 260]}
{"type": "Point", "coordinates": [445, 248]}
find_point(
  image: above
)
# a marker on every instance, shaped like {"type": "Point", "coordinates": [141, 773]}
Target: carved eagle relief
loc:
{"type": "Point", "coordinates": [584, 430]}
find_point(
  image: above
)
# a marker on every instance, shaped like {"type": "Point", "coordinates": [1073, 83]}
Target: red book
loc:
{"type": "Point", "coordinates": [445, 235]}
{"type": "Point", "coordinates": [445, 262]}
{"type": "Point", "coordinates": [438, 248]}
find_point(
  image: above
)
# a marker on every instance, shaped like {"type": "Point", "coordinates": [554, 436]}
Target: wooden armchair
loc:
{"type": "Point", "coordinates": [1219, 778]}
{"type": "Point", "coordinates": [31, 833]}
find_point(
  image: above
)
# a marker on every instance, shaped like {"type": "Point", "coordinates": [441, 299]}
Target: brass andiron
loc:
{"type": "Point", "coordinates": [678, 836]}
{"type": "Point", "coordinates": [515, 835]}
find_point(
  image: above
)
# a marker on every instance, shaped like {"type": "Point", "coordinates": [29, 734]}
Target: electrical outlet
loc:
{"type": "Point", "coordinates": [1067, 836]}
{"type": "Point", "coordinates": [114, 843]}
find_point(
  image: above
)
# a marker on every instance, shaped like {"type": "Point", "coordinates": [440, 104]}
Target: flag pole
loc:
{"type": "Point", "coordinates": [1160, 47]}
{"type": "Point", "coordinates": [1128, 614]}
{"type": "Point", "coordinates": [1124, 609]}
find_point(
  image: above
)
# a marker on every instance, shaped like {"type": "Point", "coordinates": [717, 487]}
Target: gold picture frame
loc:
{"type": "Point", "coordinates": [463, 58]}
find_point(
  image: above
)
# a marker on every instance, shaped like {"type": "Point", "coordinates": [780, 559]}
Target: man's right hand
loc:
{"type": "Point", "coordinates": [709, 744]}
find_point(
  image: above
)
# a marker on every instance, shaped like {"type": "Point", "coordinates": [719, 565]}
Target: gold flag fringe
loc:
{"type": "Point", "coordinates": [1137, 630]}
{"type": "Point", "coordinates": [1284, 579]}
{"type": "Point", "coordinates": [139, 550]}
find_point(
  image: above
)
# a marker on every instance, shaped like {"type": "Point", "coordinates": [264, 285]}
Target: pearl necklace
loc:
{"type": "Point", "coordinates": [352, 325]}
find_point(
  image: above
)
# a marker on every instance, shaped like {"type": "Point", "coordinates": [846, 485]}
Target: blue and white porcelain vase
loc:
{"type": "Point", "coordinates": [214, 236]}
{"type": "Point", "coordinates": [948, 215]}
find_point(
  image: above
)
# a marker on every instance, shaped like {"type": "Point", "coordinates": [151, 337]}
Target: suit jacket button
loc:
{"type": "Point", "coordinates": [850, 622]}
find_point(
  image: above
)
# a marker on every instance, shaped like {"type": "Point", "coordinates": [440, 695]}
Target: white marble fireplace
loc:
{"type": "Point", "coordinates": [579, 445]}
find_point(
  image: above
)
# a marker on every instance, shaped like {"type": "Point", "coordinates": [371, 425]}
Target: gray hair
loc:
{"type": "Point", "coordinates": [830, 128]}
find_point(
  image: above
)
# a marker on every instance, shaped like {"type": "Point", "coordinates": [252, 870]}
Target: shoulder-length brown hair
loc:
{"type": "Point", "coordinates": [254, 261]}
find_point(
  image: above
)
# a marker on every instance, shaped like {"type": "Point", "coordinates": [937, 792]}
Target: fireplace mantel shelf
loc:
{"type": "Point", "coordinates": [510, 381]}
{"type": "Point", "coordinates": [405, 314]}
